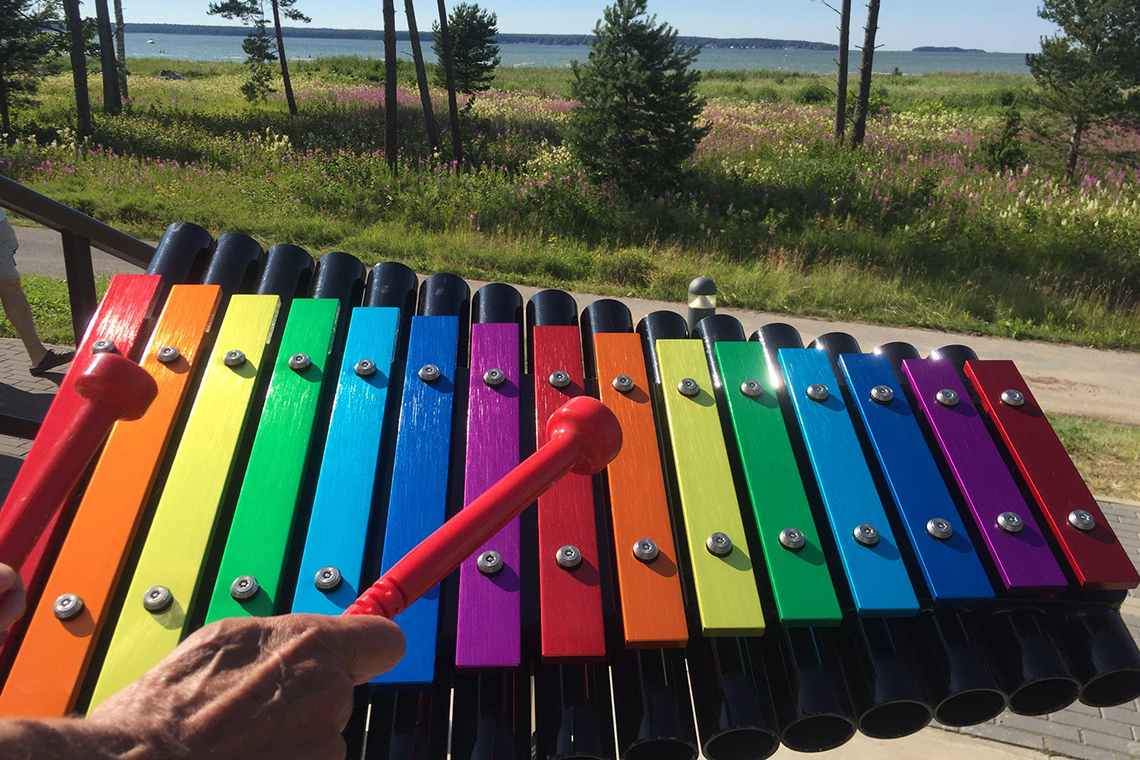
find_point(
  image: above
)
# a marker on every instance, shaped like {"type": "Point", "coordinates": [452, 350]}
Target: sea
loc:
{"type": "Point", "coordinates": [205, 47]}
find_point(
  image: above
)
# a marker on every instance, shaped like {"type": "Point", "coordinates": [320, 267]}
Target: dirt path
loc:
{"type": "Point", "coordinates": [1066, 379]}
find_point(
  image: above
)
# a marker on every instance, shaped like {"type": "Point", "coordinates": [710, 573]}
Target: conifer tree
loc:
{"type": "Point", "coordinates": [23, 47]}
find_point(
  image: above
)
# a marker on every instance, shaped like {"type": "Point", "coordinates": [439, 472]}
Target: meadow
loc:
{"type": "Point", "coordinates": [914, 229]}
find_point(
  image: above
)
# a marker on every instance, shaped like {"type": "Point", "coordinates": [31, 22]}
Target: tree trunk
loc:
{"type": "Point", "coordinates": [390, 122]}
{"type": "Point", "coordinates": [841, 91]}
{"type": "Point", "coordinates": [1075, 146]}
{"type": "Point", "coordinates": [121, 48]}
{"type": "Point", "coordinates": [861, 105]}
{"type": "Point", "coordinates": [284, 63]}
{"type": "Point", "coordinates": [112, 103]}
{"type": "Point", "coordinates": [449, 70]}
{"type": "Point", "coordinates": [421, 76]}
{"type": "Point", "coordinates": [78, 67]}
{"type": "Point", "coordinates": [5, 117]}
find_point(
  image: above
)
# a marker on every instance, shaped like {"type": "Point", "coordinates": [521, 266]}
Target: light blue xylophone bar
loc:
{"type": "Point", "coordinates": [876, 575]}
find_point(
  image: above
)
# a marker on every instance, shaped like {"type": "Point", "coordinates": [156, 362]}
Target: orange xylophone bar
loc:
{"type": "Point", "coordinates": [583, 436]}
{"type": "Point", "coordinates": [110, 388]}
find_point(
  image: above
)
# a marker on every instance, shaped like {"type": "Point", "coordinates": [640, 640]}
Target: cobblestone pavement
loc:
{"type": "Point", "coordinates": [1078, 732]}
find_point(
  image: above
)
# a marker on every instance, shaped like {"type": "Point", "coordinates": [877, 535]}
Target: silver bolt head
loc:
{"type": "Point", "coordinates": [429, 373]}
{"type": "Point", "coordinates": [646, 549]}
{"type": "Point", "coordinates": [327, 578]}
{"type": "Point", "coordinates": [490, 563]}
{"type": "Point", "coordinates": [244, 587]}
{"type": "Point", "coordinates": [169, 354]}
{"type": "Point", "coordinates": [157, 599]}
{"type": "Point", "coordinates": [947, 397]}
{"type": "Point", "coordinates": [559, 379]}
{"type": "Point", "coordinates": [719, 544]}
{"type": "Point", "coordinates": [234, 358]}
{"type": "Point", "coordinates": [67, 606]}
{"type": "Point", "coordinates": [365, 368]}
{"type": "Point", "coordinates": [494, 376]}
{"type": "Point", "coordinates": [103, 346]}
{"type": "Point", "coordinates": [1010, 522]}
{"type": "Point", "coordinates": [569, 557]}
{"type": "Point", "coordinates": [818, 392]}
{"type": "Point", "coordinates": [1082, 519]}
{"type": "Point", "coordinates": [752, 388]}
{"type": "Point", "coordinates": [689, 387]}
{"type": "Point", "coordinates": [792, 539]}
{"type": "Point", "coordinates": [299, 361]}
{"type": "Point", "coordinates": [1013, 397]}
{"type": "Point", "coordinates": [883, 394]}
{"type": "Point", "coordinates": [866, 534]}
{"type": "Point", "coordinates": [623, 383]}
{"type": "Point", "coordinates": [940, 528]}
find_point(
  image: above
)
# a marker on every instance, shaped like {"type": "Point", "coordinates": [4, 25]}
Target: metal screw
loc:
{"type": "Point", "coordinates": [939, 528]}
{"type": "Point", "coordinates": [365, 368]}
{"type": "Point", "coordinates": [817, 392]}
{"type": "Point", "coordinates": [234, 358]}
{"type": "Point", "coordinates": [883, 394]}
{"type": "Point", "coordinates": [494, 376]}
{"type": "Point", "coordinates": [719, 544]}
{"type": "Point", "coordinates": [1010, 522]}
{"type": "Point", "coordinates": [793, 539]}
{"type": "Point", "coordinates": [157, 599]}
{"type": "Point", "coordinates": [327, 578]}
{"type": "Point", "coordinates": [1012, 397]}
{"type": "Point", "coordinates": [168, 354]}
{"type": "Point", "coordinates": [67, 606]}
{"type": "Point", "coordinates": [244, 587]}
{"type": "Point", "coordinates": [646, 549]}
{"type": "Point", "coordinates": [751, 388]}
{"type": "Point", "coordinates": [429, 373]}
{"type": "Point", "coordinates": [569, 557]}
{"type": "Point", "coordinates": [947, 397]}
{"type": "Point", "coordinates": [559, 379]}
{"type": "Point", "coordinates": [866, 534]}
{"type": "Point", "coordinates": [1082, 520]}
{"type": "Point", "coordinates": [623, 383]}
{"type": "Point", "coordinates": [689, 387]}
{"type": "Point", "coordinates": [103, 346]}
{"type": "Point", "coordinates": [490, 563]}
{"type": "Point", "coordinates": [299, 361]}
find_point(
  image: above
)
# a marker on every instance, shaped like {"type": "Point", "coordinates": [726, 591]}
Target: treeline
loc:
{"type": "Point", "coordinates": [502, 39]}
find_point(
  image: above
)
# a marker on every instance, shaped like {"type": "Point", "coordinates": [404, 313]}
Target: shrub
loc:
{"type": "Point", "coordinates": [814, 94]}
{"type": "Point", "coordinates": [636, 121]}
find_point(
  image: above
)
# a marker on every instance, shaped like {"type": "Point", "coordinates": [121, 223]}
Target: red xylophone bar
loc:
{"type": "Point", "coordinates": [583, 436]}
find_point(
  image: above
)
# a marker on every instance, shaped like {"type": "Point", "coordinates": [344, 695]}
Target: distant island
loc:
{"type": "Point", "coordinates": [746, 43]}
{"type": "Point", "coordinates": [928, 49]}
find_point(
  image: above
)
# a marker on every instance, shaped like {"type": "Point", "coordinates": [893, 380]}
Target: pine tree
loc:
{"type": "Point", "coordinates": [23, 47]}
{"type": "Point", "coordinates": [444, 39]}
{"type": "Point", "coordinates": [636, 122]}
{"type": "Point", "coordinates": [256, 45]}
{"type": "Point", "coordinates": [474, 53]}
{"type": "Point", "coordinates": [421, 76]}
{"type": "Point", "coordinates": [112, 98]}
{"type": "Point", "coordinates": [862, 103]}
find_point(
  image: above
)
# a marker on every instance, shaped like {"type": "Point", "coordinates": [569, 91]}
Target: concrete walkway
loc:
{"type": "Point", "coordinates": [1066, 379]}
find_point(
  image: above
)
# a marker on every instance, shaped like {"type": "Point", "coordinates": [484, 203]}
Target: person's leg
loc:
{"type": "Point", "coordinates": [19, 313]}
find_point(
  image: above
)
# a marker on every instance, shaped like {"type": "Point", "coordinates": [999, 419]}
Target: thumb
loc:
{"type": "Point", "coordinates": [365, 645]}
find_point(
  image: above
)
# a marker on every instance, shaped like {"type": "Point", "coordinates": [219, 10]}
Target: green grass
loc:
{"type": "Point", "coordinates": [1107, 456]}
{"type": "Point", "coordinates": [51, 309]}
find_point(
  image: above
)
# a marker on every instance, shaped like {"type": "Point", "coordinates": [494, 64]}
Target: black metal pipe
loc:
{"type": "Point", "coordinates": [897, 352]}
{"type": "Point", "coordinates": [409, 724]}
{"type": "Point", "coordinates": [1031, 664]}
{"type": "Point", "coordinates": [773, 337]}
{"type": "Point", "coordinates": [602, 316]}
{"type": "Point", "coordinates": [735, 715]}
{"type": "Point", "coordinates": [652, 707]}
{"type": "Point", "coordinates": [340, 275]}
{"type": "Point", "coordinates": [234, 265]}
{"type": "Point", "coordinates": [288, 274]}
{"type": "Point", "coordinates": [573, 716]}
{"type": "Point", "coordinates": [836, 344]}
{"type": "Point", "coordinates": [959, 670]}
{"type": "Point", "coordinates": [182, 254]}
{"type": "Point", "coordinates": [548, 308]}
{"type": "Point", "coordinates": [492, 716]}
{"type": "Point", "coordinates": [957, 355]}
{"type": "Point", "coordinates": [496, 303]}
{"type": "Point", "coordinates": [655, 326]}
{"type": "Point", "coordinates": [394, 285]}
{"type": "Point", "coordinates": [447, 295]}
{"type": "Point", "coordinates": [884, 677]}
{"type": "Point", "coordinates": [1103, 655]}
{"type": "Point", "coordinates": [711, 330]}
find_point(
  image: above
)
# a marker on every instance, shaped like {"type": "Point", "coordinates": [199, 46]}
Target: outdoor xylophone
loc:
{"type": "Point", "coordinates": [793, 544]}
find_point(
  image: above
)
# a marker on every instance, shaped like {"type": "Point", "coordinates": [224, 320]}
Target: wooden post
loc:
{"type": "Point", "coordinates": [80, 281]}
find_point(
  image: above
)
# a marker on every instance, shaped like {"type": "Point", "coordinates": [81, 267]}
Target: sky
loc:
{"type": "Point", "coordinates": [995, 25]}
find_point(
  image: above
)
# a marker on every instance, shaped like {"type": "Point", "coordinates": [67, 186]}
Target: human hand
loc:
{"type": "Point", "coordinates": [251, 688]}
{"type": "Point", "coordinates": [13, 597]}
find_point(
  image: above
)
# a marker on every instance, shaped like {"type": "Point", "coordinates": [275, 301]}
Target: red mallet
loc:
{"type": "Point", "coordinates": [110, 388]}
{"type": "Point", "coordinates": [583, 436]}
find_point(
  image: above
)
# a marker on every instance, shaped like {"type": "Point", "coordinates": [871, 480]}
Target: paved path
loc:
{"type": "Point", "coordinates": [1066, 379]}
